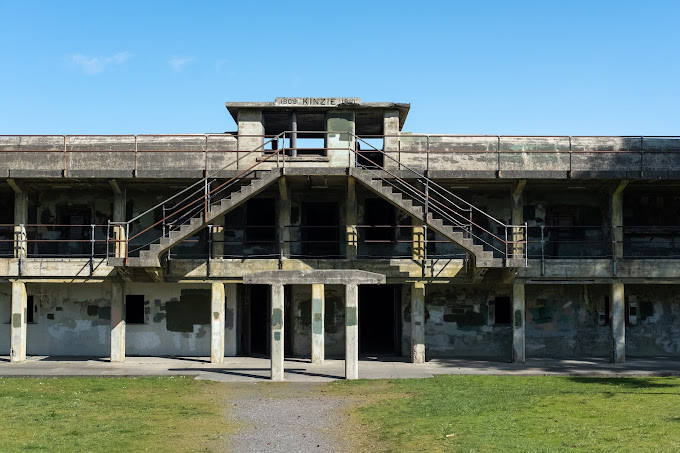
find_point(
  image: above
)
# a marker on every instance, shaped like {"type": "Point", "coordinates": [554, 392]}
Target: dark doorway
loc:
{"type": "Point", "coordinates": [320, 225]}
{"type": "Point", "coordinates": [259, 312]}
{"type": "Point", "coordinates": [379, 320]}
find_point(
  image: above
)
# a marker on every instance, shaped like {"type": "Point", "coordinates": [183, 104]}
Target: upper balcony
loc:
{"type": "Point", "coordinates": [443, 156]}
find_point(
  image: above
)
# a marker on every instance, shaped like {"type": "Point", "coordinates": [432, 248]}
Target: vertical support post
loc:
{"type": "Point", "coordinates": [284, 218]}
{"type": "Point", "coordinates": [119, 231]}
{"type": "Point", "coordinates": [231, 346]}
{"type": "Point", "coordinates": [617, 220]}
{"type": "Point", "coordinates": [351, 219]}
{"type": "Point", "coordinates": [19, 317]}
{"type": "Point", "coordinates": [117, 322]}
{"type": "Point", "coordinates": [217, 238]}
{"type": "Point", "coordinates": [20, 220]}
{"type": "Point", "coordinates": [418, 241]}
{"type": "Point", "coordinates": [391, 140]}
{"type": "Point", "coordinates": [351, 331]}
{"type": "Point", "coordinates": [293, 134]}
{"type": "Point", "coordinates": [318, 315]}
{"type": "Point", "coordinates": [617, 323]}
{"type": "Point", "coordinates": [217, 323]}
{"type": "Point", "coordinates": [418, 322]}
{"type": "Point", "coordinates": [518, 321]}
{"type": "Point", "coordinates": [250, 137]}
{"type": "Point", "coordinates": [277, 332]}
{"type": "Point", "coordinates": [518, 219]}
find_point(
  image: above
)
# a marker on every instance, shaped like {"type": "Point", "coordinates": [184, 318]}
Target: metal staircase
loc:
{"type": "Point", "coordinates": [186, 213]}
{"type": "Point", "coordinates": [492, 245]}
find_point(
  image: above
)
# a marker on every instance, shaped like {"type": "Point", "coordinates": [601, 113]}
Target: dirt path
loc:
{"type": "Point", "coordinates": [287, 417]}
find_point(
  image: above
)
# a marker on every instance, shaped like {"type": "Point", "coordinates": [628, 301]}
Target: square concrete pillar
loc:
{"type": "Point", "coordinates": [18, 324]}
{"type": "Point", "coordinates": [616, 213]}
{"type": "Point", "coordinates": [231, 341]}
{"type": "Point", "coordinates": [117, 322]}
{"type": "Point", "coordinates": [391, 144]}
{"type": "Point", "coordinates": [351, 219]}
{"type": "Point", "coordinates": [518, 238]}
{"type": "Point", "coordinates": [351, 331]}
{"type": "Point", "coordinates": [518, 321]}
{"type": "Point", "coordinates": [340, 138]}
{"type": "Point", "coordinates": [418, 322]}
{"type": "Point", "coordinates": [20, 220]}
{"type": "Point", "coordinates": [318, 313]}
{"type": "Point", "coordinates": [250, 137]}
{"type": "Point", "coordinates": [617, 323]}
{"type": "Point", "coordinates": [217, 323]}
{"type": "Point", "coordinates": [418, 241]}
{"type": "Point", "coordinates": [284, 218]}
{"type": "Point", "coordinates": [277, 332]}
{"type": "Point", "coordinates": [217, 237]}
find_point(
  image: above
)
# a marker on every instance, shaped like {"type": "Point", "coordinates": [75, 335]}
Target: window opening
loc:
{"type": "Point", "coordinates": [134, 309]}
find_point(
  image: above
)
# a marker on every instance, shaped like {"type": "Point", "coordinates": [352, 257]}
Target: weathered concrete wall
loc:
{"type": "Point", "coordinates": [177, 320]}
{"type": "Point", "coordinates": [334, 322]}
{"type": "Point", "coordinates": [5, 315]}
{"type": "Point", "coordinates": [457, 321]}
{"type": "Point", "coordinates": [564, 321]}
{"type": "Point", "coordinates": [656, 331]}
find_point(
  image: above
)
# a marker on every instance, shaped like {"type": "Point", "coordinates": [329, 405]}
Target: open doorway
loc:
{"type": "Point", "coordinates": [379, 320]}
{"type": "Point", "coordinates": [255, 325]}
{"type": "Point", "coordinates": [320, 228]}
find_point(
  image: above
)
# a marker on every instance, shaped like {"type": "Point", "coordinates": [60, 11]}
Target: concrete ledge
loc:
{"type": "Point", "coordinates": [309, 277]}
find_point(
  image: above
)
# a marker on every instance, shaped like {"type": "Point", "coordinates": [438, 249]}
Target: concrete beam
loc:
{"type": "Point", "coordinates": [318, 316]}
{"type": "Point", "coordinates": [518, 323]}
{"type": "Point", "coordinates": [277, 350]}
{"type": "Point", "coordinates": [217, 323]}
{"type": "Point", "coordinates": [312, 276]}
{"type": "Point", "coordinates": [351, 331]}
{"type": "Point", "coordinates": [18, 324]}
{"type": "Point", "coordinates": [418, 322]}
{"type": "Point", "coordinates": [117, 322]}
{"type": "Point", "coordinates": [15, 185]}
{"type": "Point", "coordinates": [617, 323]}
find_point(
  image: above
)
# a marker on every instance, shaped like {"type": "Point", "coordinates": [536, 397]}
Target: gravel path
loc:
{"type": "Point", "coordinates": [292, 417]}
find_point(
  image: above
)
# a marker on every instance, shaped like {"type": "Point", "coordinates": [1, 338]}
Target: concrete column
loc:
{"type": "Point", "coordinates": [217, 323]}
{"type": "Point", "coordinates": [351, 219]}
{"type": "Point", "coordinates": [318, 314]}
{"type": "Point", "coordinates": [277, 332]}
{"type": "Point", "coordinates": [217, 236]}
{"type": "Point", "coordinates": [617, 219]}
{"type": "Point", "coordinates": [340, 128]}
{"type": "Point", "coordinates": [119, 232]}
{"type": "Point", "coordinates": [117, 322]}
{"type": "Point", "coordinates": [284, 218]}
{"type": "Point", "coordinates": [391, 127]}
{"type": "Point", "coordinates": [19, 316]}
{"type": "Point", "coordinates": [517, 248]}
{"type": "Point", "coordinates": [418, 241]}
{"type": "Point", "coordinates": [617, 323]}
{"type": "Point", "coordinates": [518, 321]}
{"type": "Point", "coordinates": [250, 137]}
{"type": "Point", "coordinates": [351, 331]}
{"type": "Point", "coordinates": [20, 221]}
{"type": "Point", "coordinates": [418, 322]}
{"type": "Point", "coordinates": [231, 340]}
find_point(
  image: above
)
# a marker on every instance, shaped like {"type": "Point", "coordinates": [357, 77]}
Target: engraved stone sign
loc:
{"type": "Point", "coordinates": [316, 102]}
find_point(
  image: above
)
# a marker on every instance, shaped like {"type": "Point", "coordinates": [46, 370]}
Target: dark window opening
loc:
{"type": "Point", "coordinates": [320, 229]}
{"type": "Point", "coordinates": [503, 310]}
{"type": "Point", "coordinates": [134, 309]}
{"type": "Point", "coordinates": [379, 217]}
{"type": "Point", "coordinates": [261, 220]}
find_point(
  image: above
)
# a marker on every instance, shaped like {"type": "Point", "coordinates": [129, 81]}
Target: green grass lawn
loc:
{"type": "Point", "coordinates": [111, 414]}
{"type": "Point", "coordinates": [508, 413]}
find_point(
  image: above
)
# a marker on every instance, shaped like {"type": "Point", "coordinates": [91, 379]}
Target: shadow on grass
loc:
{"type": "Point", "coordinates": [627, 382]}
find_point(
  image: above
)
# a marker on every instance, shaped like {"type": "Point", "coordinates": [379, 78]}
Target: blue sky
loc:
{"type": "Point", "coordinates": [484, 67]}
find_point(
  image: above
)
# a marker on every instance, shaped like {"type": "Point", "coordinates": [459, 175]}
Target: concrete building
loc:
{"type": "Point", "coordinates": [320, 229]}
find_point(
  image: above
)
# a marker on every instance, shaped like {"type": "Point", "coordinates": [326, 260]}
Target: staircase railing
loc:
{"type": "Point", "coordinates": [509, 241]}
{"type": "Point", "coordinates": [177, 210]}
